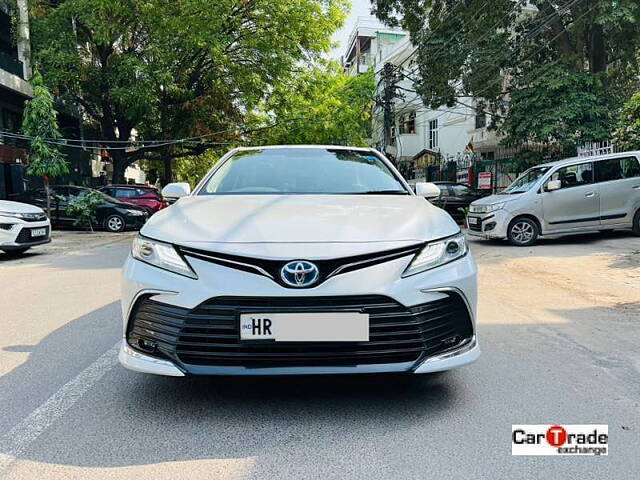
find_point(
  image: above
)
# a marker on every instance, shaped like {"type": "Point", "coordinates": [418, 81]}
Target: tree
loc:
{"type": "Point", "coordinates": [320, 105]}
{"type": "Point", "coordinates": [627, 133]}
{"type": "Point", "coordinates": [39, 122]}
{"type": "Point", "coordinates": [174, 68]}
{"type": "Point", "coordinates": [539, 72]}
{"type": "Point", "coordinates": [83, 208]}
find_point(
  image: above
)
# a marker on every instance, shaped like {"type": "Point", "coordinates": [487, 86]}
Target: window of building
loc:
{"type": "Point", "coordinates": [408, 123]}
{"type": "Point", "coordinates": [433, 134]}
{"type": "Point", "coordinates": [481, 119]}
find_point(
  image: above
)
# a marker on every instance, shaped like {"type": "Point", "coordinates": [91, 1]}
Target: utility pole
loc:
{"type": "Point", "coordinates": [388, 94]}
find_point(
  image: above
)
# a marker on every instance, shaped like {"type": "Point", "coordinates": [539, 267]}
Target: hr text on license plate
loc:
{"type": "Point", "coordinates": [305, 327]}
{"type": "Point", "coordinates": [38, 232]}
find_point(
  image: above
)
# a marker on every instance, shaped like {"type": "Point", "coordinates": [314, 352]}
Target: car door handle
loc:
{"type": "Point", "coordinates": [590, 194]}
{"type": "Point", "coordinates": [636, 187]}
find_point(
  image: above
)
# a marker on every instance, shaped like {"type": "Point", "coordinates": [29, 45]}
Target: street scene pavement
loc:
{"type": "Point", "coordinates": [558, 327]}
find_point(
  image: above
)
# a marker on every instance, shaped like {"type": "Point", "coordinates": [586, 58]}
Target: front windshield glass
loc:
{"type": "Point", "coordinates": [303, 171]}
{"type": "Point", "coordinates": [525, 181]}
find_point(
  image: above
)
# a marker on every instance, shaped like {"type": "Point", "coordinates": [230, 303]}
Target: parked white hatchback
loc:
{"type": "Point", "coordinates": [299, 260]}
{"type": "Point", "coordinates": [22, 226]}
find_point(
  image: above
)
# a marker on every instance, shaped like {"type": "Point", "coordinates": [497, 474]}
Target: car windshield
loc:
{"type": "Point", "coordinates": [106, 197]}
{"type": "Point", "coordinates": [525, 181]}
{"type": "Point", "coordinates": [303, 171]}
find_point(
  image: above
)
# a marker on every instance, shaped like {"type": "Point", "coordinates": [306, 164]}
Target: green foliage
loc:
{"type": "Point", "coordinates": [40, 123]}
{"type": "Point", "coordinates": [556, 105]}
{"type": "Point", "coordinates": [532, 69]}
{"type": "Point", "coordinates": [83, 208]}
{"type": "Point", "coordinates": [320, 105]}
{"type": "Point", "coordinates": [627, 133]}
{"type": "Point", "coordinates": [175, 68]}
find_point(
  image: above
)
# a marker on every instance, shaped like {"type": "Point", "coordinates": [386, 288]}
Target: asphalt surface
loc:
{"type": "Point", "coordinates": [555, 350]}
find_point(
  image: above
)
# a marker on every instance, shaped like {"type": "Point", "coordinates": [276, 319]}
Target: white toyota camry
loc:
{"type": "Point", "coordinates": [22, 226]}
{"type": "Point", "coordinates": [299, 260]}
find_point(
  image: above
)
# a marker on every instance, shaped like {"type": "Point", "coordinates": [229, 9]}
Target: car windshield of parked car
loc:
{"type": "Point", "coordinates": [303, 171]}
{"type": "Point", "coordinates": [83, 192]}
{"type": "Point", "coordinates": [525, 181]}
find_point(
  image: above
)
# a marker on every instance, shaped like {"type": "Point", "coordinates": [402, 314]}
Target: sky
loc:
{"type": "Point", "coordinates": [358, 8]}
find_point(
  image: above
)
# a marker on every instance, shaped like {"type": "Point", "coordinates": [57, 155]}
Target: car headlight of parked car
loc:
{"type": "Point", "coordinates": [24, 216]}
{"type": "Point", "coordinates": [486, 208]}
{"type": "Point", "coordinates": [161, 255]}
{"type": "Point", "coordinates": [135, 213]}
{"type": "Point", "coordinates": [438, 253]}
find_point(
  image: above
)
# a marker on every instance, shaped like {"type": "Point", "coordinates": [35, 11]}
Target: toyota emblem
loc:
{"type": "Point", "coordinates": [299, 273]}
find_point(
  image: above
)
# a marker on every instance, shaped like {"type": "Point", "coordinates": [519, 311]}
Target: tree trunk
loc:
{"type": "Point", "coordinates": [167, 176]}
{"type": "Point", "coordinates": [597, 52]}
{"type": "Point", "coordinates": [46, 194]}
{"type": "Point", "coordinates": [120, 164]}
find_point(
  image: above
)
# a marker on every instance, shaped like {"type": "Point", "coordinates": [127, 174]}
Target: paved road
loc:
{"type": "Point", "coordinates": [558, 326]}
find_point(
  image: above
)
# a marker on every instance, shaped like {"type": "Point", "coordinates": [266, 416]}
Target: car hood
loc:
{"type": "Point", "coordinates": [18, 207]}
{"type": "Point", "coordinates": [491, 199]}
{"type": "Point", "coordinates": [262, 224]}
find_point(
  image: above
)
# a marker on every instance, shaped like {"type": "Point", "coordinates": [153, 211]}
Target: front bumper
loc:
{"type": "Point", "coordinates": [489, 225]}
{"type": "Point", "coordinates": [19, 236]}
{"type": "Point", "coordinates": [144, 281]}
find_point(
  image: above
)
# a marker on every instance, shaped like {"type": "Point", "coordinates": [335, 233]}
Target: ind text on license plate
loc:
{"type": "Point", "coordinates": [305, 327]}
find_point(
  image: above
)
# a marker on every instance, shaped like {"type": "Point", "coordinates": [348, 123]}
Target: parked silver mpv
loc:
{"type": "Point", "coordinates": [569, 196]}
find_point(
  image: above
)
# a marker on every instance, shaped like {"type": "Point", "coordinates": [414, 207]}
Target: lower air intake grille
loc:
{"type": "Point", "coordinates": [25, 235]}
{"type": "Point", "coordinates": [209, 334]}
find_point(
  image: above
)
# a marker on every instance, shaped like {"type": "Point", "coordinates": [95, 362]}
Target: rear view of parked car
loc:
{"type": "Point", "coordinates": [22, 226]}
{"type": "Point", "coordinates": [140, 195]}
{"type": "Point", "coordinates": [113, 215]}
{"type": "Point", "coordinates": [570, 196]}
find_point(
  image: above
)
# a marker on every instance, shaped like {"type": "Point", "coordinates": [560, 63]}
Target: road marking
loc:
{"type": "Point", "coordinates": [16, 441]}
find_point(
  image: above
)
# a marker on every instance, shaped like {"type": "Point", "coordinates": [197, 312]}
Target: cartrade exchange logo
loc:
{"type": "Point", "coordinates": [560, 440]}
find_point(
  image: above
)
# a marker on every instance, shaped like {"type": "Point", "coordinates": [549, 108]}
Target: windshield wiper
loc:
{"type": "Point", "coordinates": [382, 192]}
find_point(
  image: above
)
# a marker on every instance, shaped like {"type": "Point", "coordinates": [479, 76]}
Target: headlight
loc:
{"type": "Point", "coordinates": [161, 255]}
{"type": "Point", "coordinates": [30, 216]}
{"type": "Point", "coordinates": [486, 208]}
{"type": "Point", "coordinates": [438, 253]}
{"type": "Point", "coordinates": [135, 213]}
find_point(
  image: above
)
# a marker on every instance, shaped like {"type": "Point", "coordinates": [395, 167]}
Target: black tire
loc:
{"type": "Point", "coordinates": [16, 252]}
{"type": "Point", "coordinates": [636, 224]}
{"type": "Point", "coordinates": [115, 223]}
{"type": "Point", "coordinates": [523, 232]}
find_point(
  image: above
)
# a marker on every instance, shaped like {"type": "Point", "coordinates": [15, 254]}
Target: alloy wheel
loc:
{"type": "Point", "coordinates": [522, 232]}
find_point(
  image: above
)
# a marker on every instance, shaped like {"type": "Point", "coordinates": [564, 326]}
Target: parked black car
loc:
{"type": "Point", "coordinates": [112, 214]}
{"type": "Point", "coordinates": [455, 197]}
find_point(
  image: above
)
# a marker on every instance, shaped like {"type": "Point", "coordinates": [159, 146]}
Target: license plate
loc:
{"type": "Point", "coordinates": [473, 220]}
{"type": "Point", "coordinates": [38, 232]}
{"type": "Point", "coordinates": [305, 327]}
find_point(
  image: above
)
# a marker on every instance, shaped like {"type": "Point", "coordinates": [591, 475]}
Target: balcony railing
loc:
{"type": "Point", "coordinates": [11, 64]}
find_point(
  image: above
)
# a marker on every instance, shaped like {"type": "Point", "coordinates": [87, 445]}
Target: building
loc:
{"type": "Point", "coordinates": [423, 141]}
{"type": "Point", "coordinates": [15, 69]}
{"type": "Point", "coordinates": [368, 44]}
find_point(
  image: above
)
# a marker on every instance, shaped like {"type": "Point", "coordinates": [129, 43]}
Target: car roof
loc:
{"type": "Point", "coordinates": [574, 160]}
{"type": "Point", "coordinates": [319, 147]}
{"type": "Point", "coordinates": [128, 185]}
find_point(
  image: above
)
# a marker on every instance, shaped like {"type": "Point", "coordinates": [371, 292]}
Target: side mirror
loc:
{"type": "Point", "coordinates": [427, 190]}
{"type": "Point", "coordinates": [176, 190]}
{"type": "Point", "coordinates": [553, 185]}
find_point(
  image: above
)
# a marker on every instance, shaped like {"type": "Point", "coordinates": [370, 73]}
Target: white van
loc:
{"type": "Point", "coordinates": [569, 196]}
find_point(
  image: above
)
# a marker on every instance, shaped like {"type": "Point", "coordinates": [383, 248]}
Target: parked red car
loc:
{"type": "Point", "coordinates": [141, 195]}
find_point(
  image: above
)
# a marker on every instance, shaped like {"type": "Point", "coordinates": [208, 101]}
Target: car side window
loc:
{"type": "Point", "coordinates": [460, 190]}
{"type": "Point", "coordinates": [125, 193]}
{"type": "Point", "coordinates": [617, 169]}
{"type": "Point", "coordinates": [574, 175]}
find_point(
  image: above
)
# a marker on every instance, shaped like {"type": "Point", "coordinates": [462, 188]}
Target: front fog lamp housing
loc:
{"type": "Point", "coordinates": [161, 255]}
{"type": "Point", "coordinates": [438, 253]}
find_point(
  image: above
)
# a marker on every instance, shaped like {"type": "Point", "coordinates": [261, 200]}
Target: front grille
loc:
{"type": "Point", "coordinates": [209, 334]}
{"type": "Point", "coordinates": [25, 235]}
{"type": "Point", "coordinates": [34, 217]}
{"type": "Point", "coordinates": [476, 227]}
